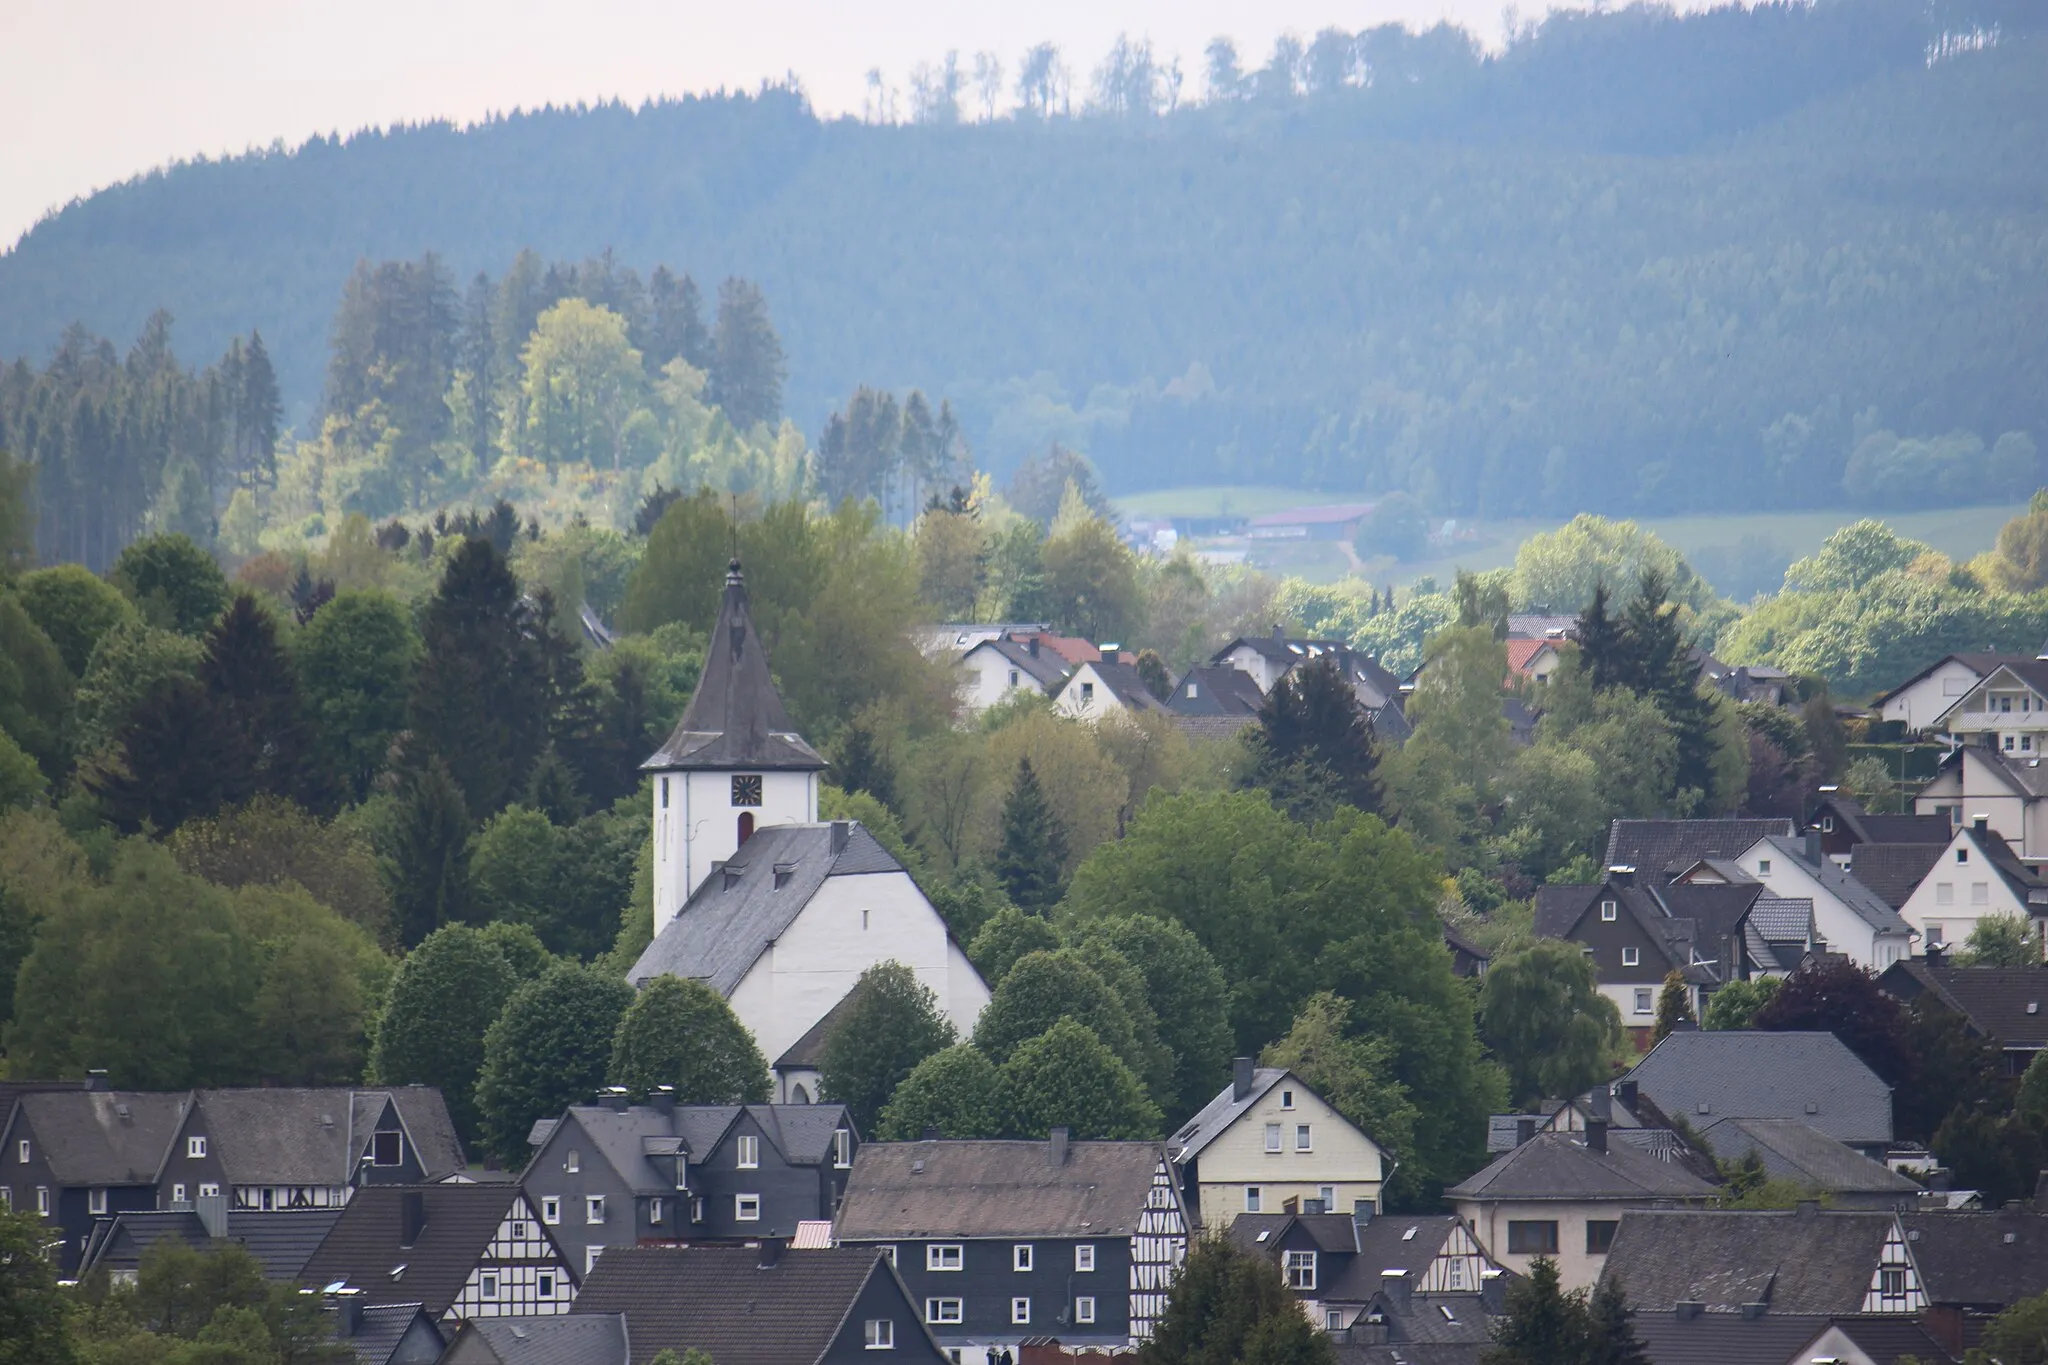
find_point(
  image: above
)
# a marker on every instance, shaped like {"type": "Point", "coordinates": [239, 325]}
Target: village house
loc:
{"type": "Point", "coordinates": [1006, 1241]}
{"type": "Point", "coordinates": [1104, 688]}
{"type": "Point", "coordinates": [2005, 1005]}
{"type": "Point", "coordinates": [612, 1175]}
{"type": "Point", "coordinates": [72, 1156]}
{"type": "Point", "coordinates": [1266, 659]}
{"type": "Point", "coordinates": [1703, 1077]}
{"type": "Point", "coordinates": [1845, 827]}
{"type": "Point", "coordinates": [1999, 727]}
{"type": "Point", "coordinates": [384, 1333]}
{"type": "Point", "coordinates": [281, 1241]}
{"type": "Point", "coordinates": [460, 1250]}
{"type": "Point", "coordinates": [1848, 917]}
{"type": "Point", "coordinates": [1215, 701]}
{"type": "Point", "coordinates": [996, 669]}
{"type": "Point", "coordinates": [1562, 1195]}
{"type": "Point", "coordinates": [1975, 877]}
{"type": "Point", "coordinates": [1268, 1143]}
{"type": "Point", "coordinates": [575, 1339]}
{"type": "Point", "coordinates": [763, 1304]}
{"type": "Point", "coordinates": [1919, 703]}
{"type": "Point", "coordinates": [775, 911]}
{"type": "Point", "coordinates": [1533, 660]}
{"type": "Point", "coordinates": [1636, 933]}
{"type": "Point", "coordinates": [1354, 1272]}
{"type": "Point", "coordinates": [1659, 850]}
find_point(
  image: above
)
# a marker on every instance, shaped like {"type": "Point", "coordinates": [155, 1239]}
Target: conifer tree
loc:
{"type": "Point", "coordinates": [1313, 739]}
{"type": "Point", "coordinates": [259, 411]}
{"type": "Point", "coordinates": [747, 367]}
{"type": "Point", "coordinates": [1599, 637]}
{"type": "Point", "coordinates": [1033, 854]}
{"type": "Point", "coordinates": [1610, 1327]}
{"type": "Point", "coordinates": [431, 887]}
{"type": "Point", "coordinates": [1674, 1003]}
{"type": "Point", "coordinates": [1543, 1324]}
{"type": "Point", "coordinates": [252, 684]}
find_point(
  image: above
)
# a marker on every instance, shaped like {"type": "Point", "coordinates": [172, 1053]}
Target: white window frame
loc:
{"type": "Point", "coordinates": [573, 1162]}
{"type": "Point", "coordinates": [746, 1208]}
{"type": "Point", "coordinates": [21, 1152]}
{"type": "Point", "coordinates": [195, 1147]}
{"type": "Point", "coordinates": [880, 1334]}
{"type": "Point", "coordinates": [1763, 867]}
{"type": "Point", "coordinates": [842, 1148]}
{"type": "Point", "coordinates": [748, 1153]}
{"type": "Point", "coordinates": [1304, 1140]}
{"type": "Point", "coordinates": [1287, 1099]}
{"type": "Point", "coordinates": [1631, 957]}
{"type": "Point", "coordinates": [1020, 1257]}
{"type": "Point", "coordinates": [1084, 1308]}
{"type": "Point", "coordinates": [209, 1189]}
{"type": "Point", "coordinates": [43, 1200]}
{"type": "Point", "coordinates": [654, 1209]}
{"type": "Point", "coordinates": [1253, 1199]}
{"type": "Point", "coordinates": [1644, 1004]}
{"type": "Point", "coordinates": [96, 1202]}
{"type": "Point", "coordinates": [593, 1208]}
{"type": "Point", "coordinates": [178, 1192]}
{"type": "Point", "coordinates": [1084, 1258]}
{"type": "Point", "coordinates": [1273, 1137]}
{"type": "Point", "coordinates": [937, 1254]}
{"type": "Point", "coordinates": [1609, 911]}
{"type": "Point", "coordinates": [551, 1209]}
{"type": "Point", "coordinates": [487, 1284]}
{"type": "Point", "coordinates": [398, 1160]}
{"type": "Point", "coordinates": [590, 1255]}
{"type": "Point", "coordinates": [1300, 1270]}
{"type": "Point", "coordinates": [519, 1233]}
{"type": "Point", "coordinates": [943, 1312]}
{"type": "Point", "coordinates": [544, 1284]}
{"type": "Point", "coordinates": [1020, 1311]}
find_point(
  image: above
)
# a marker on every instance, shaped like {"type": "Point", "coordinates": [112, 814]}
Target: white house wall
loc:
{"type": "Point", "coordinates": [1341, 1158]}
{"type": "Point", "coordinates": [1924, 702]}
{"type": "Point", "coordinates": [702, 801]}
{"type": "Point", "coordinates": [987, 676]}
{"type": "Point", "coordinates": [1101, 698]}
{"type": "Point", "coordinates": [851, 924]}
{"type": "Point", "coordinates": [1845, 931]}
{"type": "Point", "coordinates": [1957, 914]}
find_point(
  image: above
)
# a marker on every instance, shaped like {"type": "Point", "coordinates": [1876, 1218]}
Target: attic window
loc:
{"type": "Point", "coordinates": [1962, 855]}
{"type": "Point", "coordinates": [1191, 690]}
{"type": "Point", "coordinates": [733, 872]}
{"type": "Point", "coordinates": [1827, 824]}
{"type": "Point", "coordinates": [1607, 910]}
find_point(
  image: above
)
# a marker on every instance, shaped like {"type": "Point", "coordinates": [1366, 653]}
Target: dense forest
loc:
{"type": "Point", "coordinates": [1568, 276]}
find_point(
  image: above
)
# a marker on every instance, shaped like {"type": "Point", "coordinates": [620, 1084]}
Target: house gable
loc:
{"type": "Point", "coordinates": [520, 1273]}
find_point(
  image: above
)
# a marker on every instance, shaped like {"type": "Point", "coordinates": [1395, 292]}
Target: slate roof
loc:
{"type": "Point", "coordinates": [317, 1136]}
{"type": "Point", "coordinates": [1702, 1076]}
{"type": "Point", "coordinates": [1783, 919]}
{"type": "Point", "coordinates": [1664, 848]}
{"type": "Point", "coordinates": [1125, 682]}
{"type": "Point", "coordinates": [802, 1133]}
{"type": "Point", "coordinates": [719, 1300]}
{"type": "Point", "coordinates": [1894, 871]}
{"type": "Point", "coordinates": [1886, 1338]}
{"type": "Point", "coordinates": [366, 1246]}
{"type": "Point", "coordinates": [1726, 1338]}
{"type": "Point", "coordinates": [2009, 1004]}
{"type": "Point", "coordinates": [383, 1327]}
{"type": "Point", "coordinates": [1331, 1232]}
{"type": "Point", "coordinates": [1046, 668]}
{"type": "Point", "coordinates": [809, 1050]}
{"type": "Point", "coordinates": [1218, 690]}
{"type": "Point", "coordinates": [963, 1188]}
{"type": "Point", "coordinates": [735, 718]}
{"type": "Point", "coordinates": [1407, 1242]}
{"type": "Point", "coordinates": [732, 917]}
{"type": "Point", "coordinates": [1536, 625]}
{"type": "Point", "coordinates": [282, 1241]}
{"type": "Point", "coordinates": [1561, 1166]}
{"type": "Point", "coordinates": [1797, 1151]}
{"type": "Point", "coordinates": [1964, 1258]}
{"type": "Point", "coordinates": [1866, 904]}
{"type": "Point", "coordinates": [1213, 727]}
{"type": "Point", "coordinates": [10, 1091]}
{"type": "Point", "coordinates": [105, 1137]}
{"type": "Point", "coordinates": [1683, 921]}
{"type": "Point", "coordinates": [1219, 1113]}
{"type": "Point", "coordinates": [1886, 829]}
{"type": "Point", "coordinates": [576, 1339]}
{"type": "Point", "coordinates": [1804, 1260]}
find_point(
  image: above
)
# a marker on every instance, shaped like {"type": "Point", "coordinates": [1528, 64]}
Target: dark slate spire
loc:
{"type": "Point", "coordinates": [735, 719]}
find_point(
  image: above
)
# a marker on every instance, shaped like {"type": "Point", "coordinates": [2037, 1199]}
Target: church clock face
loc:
{"type": "Point", "coordinates": [746, 790]}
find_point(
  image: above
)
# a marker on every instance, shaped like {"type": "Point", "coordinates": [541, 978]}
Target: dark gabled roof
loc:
{"type": "Point", "coordinates": [1658, 849]}
{"type": "Point", "coordinates": [383, 1328]}
{"type": "Point", "coordinates": [737, 911]}
{"type": "Point", "coordinates": [1538, 625]}
{"type": "Point", "coordinates": [1331, 1232]}
{"type": "Point", "coordinates": [1894, 871]}
{"type": "Point", "coordinates": [1561, 1166]}
{"type": "Point", "coordinates": [1560, 909]}
{"type": "Point", "coordinates": [1864, 903]}
{"type": "Point", "coordinates": [960, 1188]}
{"type": "Point", "coordinates": [2029, 888]}
{"type": "Point", "coordinates": [1966, 1258]}
{"type": "Point", "coordinates": [1718, 912]}
{"type": "Point", "coordinates": [1783, 919]}
{"type": "Point", "coordinates": [800, 1133]}
{"type": "Point", "coordinates": [1216, 690]}
{"type": "Point", "coordinates": [1124, 681]}
{"type": "Point", "coordinates": [577, 1339]}
{"type": "Point", "coordinates": [282, 1241]}
{"type": "Point", "coordinates": [1213, 727]}
{"type": "Point", "coordinates": [317, 1136]}
{"type": "Point", "coordinates": [10, 1091]}
{"type": "Point", "coordinates": [1702, 1076]}
{"type": "Point", "coordinates": [1044, 666]}
{"type": "Point", "coordinates": [1797, 1151]}
{"type": "Point", "coordinates": [809, 1050]}
{"type": "Point", "coordinates": [721, 1301]}
{"type": "Point", "coordinates": [1794, 1261]}
{"type": "Point", "coordinates": [1404, 1242]}
{"type": "Point", "coordinates": [1886, 1338]}
{"type": "Point", "coordinates": [105, 1137]}
{"type": "Point", "coordinates": [735, 718]}
{"type": "Point", "coordinates": [366, 1244]}
{"type": "Point", "coordinates": [2008, 1004]}
{"type": "Point", "coordinates": [1726, 1338]}
{"type": "Point", "coordinates": [1885, 829]}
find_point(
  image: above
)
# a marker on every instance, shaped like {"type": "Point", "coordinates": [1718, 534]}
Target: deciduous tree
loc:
{"type": "Point", "coordinates": [1068, 1078]}
{"type": "Point", "coordinates": [957, 1091]}
{"type": "Point", "coordinates": [1542, 1014]}
{"type": "Point", "coordinates": [548, 1048]}
{"type": "Point", "coordinates": [891, 1023]}
{"type": "Point", "coordinates": [447, 993]}
{"type": "Point", "coordinates": [681, 1033]}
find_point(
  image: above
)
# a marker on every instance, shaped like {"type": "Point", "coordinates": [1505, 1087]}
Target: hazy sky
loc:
{"type": "Point", "coordinates": [93, 91]}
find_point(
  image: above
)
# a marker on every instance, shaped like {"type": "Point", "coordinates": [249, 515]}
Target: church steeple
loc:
{"type": "Point", "coordinates": [735, 718]}
{"type": "Point", "coordinates": [734, 762]}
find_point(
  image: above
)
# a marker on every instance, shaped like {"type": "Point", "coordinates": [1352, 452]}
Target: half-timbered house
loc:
{"type": "Point", "coordinates": [463, 1250]}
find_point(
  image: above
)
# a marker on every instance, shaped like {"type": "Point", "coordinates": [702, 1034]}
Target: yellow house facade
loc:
{"type": "Point", "coordinates": [1270, 1144]}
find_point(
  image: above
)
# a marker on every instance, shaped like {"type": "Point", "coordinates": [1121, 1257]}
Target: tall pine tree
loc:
{"type": "Point", "coordinates": [1031, 860]}
{"type": "Point", "coordinates": [747, 367]}
{"type": "Point", "coordinates": [1599, 637]}
{"type": "Point", "coordinates": [1314, 742]}
{"type": "Point", "coordinates": [431, 856]}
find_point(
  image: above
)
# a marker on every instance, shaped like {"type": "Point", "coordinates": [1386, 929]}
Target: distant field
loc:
{"type": "Point", "coordinates": [1715, 543]}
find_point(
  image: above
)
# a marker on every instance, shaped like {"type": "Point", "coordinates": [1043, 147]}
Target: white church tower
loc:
{"type": "Point", "coordinates": [734, 763]}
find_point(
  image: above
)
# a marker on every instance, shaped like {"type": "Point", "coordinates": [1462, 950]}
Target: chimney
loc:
{"type": "Point", "coordinates": [1361, 1217]}
{"type": "Point", "coordinates": [347, 1306]}
{"type": "Point", "coordinates": [771, 1253]}
{"type": "Point", "coordinates": [1626, 1090]}
{"type": "Point", "coordinates": [1937, 954]}
{"type": "Point", "coordinates": [1056, 1148]}
{"type": "Point", "coordinates": [1279, 632]}
{"type": "Point", "coordinates": [1525, 1131]}
{"type": "Point", "coordinates": [96, 1079]}
{"type": "Point", "coordinates": [1394, 1284]}
{"type": "Point", "coordinates": [842, 830]}
{"type": "Point", "coordinates": [930, 1134]}
{"type": "Point", "coordinates": [1493, 1291]}
{"type": "Point", "coordinates": [1813, 850]}
{"type": "Point", "coordinates": [1687, 1309]}
{"type": "Point", "coordinates": [213, 1215]}
{"type": "Point", "coordinates": [1600, 1103]}
{"type": "Point", "coordinates": [1622, 874]}
{"type": "Point", "coordinates": [412, 1217]}
{"type": "Point", "coordinates": [664, 1100]}
{"type": "Point", "coordinates": [1754, 1310]}
{"type": "Point", "coordinates": [1980, 823]}
{"type": "Point", "coordinates": [1313, 1206]}
{"type": "Point", "coordinates": [1032, 645]}
{"type": "Point", "coordinates": [1240, 1078]}
{"type": "Point", "coordinates": [1596, 1136]}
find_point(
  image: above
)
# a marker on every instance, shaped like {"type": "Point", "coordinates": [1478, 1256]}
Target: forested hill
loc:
{"type": "Point", "coordinates": [1632, 249]}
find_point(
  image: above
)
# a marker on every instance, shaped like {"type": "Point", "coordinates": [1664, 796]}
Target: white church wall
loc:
{"type": "Point", "coordinates": [702, 802]}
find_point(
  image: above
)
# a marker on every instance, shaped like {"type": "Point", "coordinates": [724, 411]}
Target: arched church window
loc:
{"type": "Point", "coordinates": [746, 825]}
